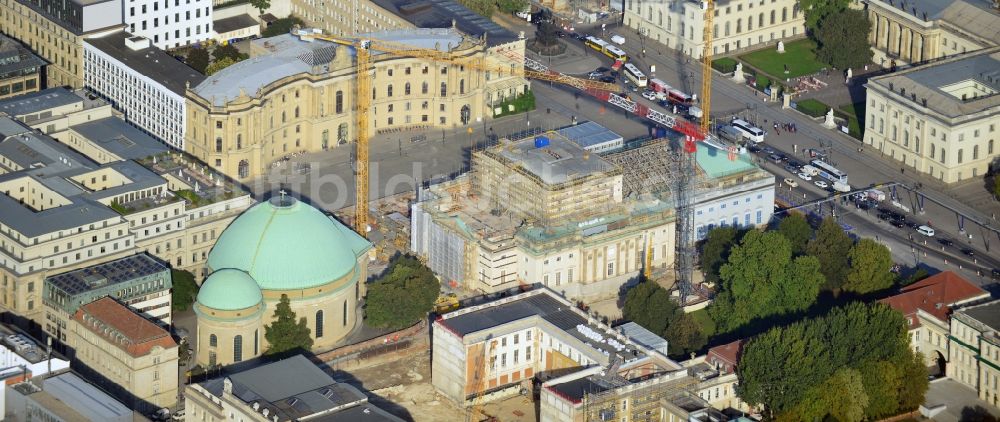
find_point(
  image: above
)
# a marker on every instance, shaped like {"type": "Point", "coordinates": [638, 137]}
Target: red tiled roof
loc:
{"type": "Point", "coordinates": [935, 295]}
{"type": "Point", "coordinates": [726, 355]}
{"type": "Point", "coordinates": [140, 334]}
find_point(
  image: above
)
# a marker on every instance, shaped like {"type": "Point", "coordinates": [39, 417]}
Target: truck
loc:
{"type": "Point", "coordinates": [841, 187]}
{"type": "Point", "coordinates": [810, 170]}
{"type": "Point", "coordinates": [875, 195]}
{"type": "Point", "coordinates": [618, 39]}
{"type": "Point", "coordinates": [730, 133]}
{"type": "Point", "coordinates": [694, 112]}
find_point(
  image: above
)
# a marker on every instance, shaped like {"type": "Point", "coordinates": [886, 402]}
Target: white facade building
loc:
{"type": "Point", "coordinates": [141, 81]}
{"type": "Point", "coordinates": [169, 23]}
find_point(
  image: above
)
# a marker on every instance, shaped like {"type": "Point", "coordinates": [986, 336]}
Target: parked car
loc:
{"type": "Point", "coordinates": [602, 69]}
{"type": "Point", "coordinates": [995, 273]}
{"type": "Point", "coordinates": [946, 242]}
{"type": "Point", "coordinates": [178, 416]}
{"type": "Point", "coordinates": [607, 79]}
{"type": "Point", "coordinates": [969, 252]}
{"type": "Point", "coordinates": [821, 184]}
{"type": "Point", "coordinates": [791, 169]}
{"type": "Point", "coordinates": [594, 75]}
{"type": "Point", "coordinates": [805, 177]}
{"type": "Point", "coordinates": [649, 95]}
{"type": "Point", "coordinates": [897, 224]}
{"type": "Point", "coordinates": [791, 182]}
{"type": "Point", "coordinates": [775, 157]}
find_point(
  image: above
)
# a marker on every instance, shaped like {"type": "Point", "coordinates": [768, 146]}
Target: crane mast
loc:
{"type": "Point", "coordinates": [363, 100]}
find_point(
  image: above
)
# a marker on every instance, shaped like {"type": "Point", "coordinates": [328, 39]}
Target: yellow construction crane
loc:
{"type": "Point", "coordinates": [706, 67]}
{"type": "Point", "coordinates": [364, 49]}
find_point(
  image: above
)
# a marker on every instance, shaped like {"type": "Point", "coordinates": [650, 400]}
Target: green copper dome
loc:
{"type": "Point", "coordinates": [285, 244]}
{"type": "Point", "coordinates": [229, 290]}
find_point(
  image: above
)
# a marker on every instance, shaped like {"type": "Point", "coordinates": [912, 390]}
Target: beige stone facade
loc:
{"type": "Point", "coordinates": [334, 303]}
{"type": "Point", "coordinates": [136, 359]}
{"type": "Point", "coordinates": [57, 42]}
{"type": "Point", "coordinates": [347, 17]}
{"type": "Point", "coordinates": [940, 119]}
{"type": "Point", "coordinates": [975, 350]}
{"type": "Point", "coordinates": [912, 33]}
{"type": "Point", "coordinates": [314, 110]}
{"type": "Point", "coordinates": [737, 25]}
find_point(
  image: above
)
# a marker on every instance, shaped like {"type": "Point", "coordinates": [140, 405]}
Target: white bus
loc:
{"type": "Point", "coordinates": [635, 75]}
{"type": "Point", "coordinates": [749, 131]}
{"type": "Point", "coordinates": [829, 172]}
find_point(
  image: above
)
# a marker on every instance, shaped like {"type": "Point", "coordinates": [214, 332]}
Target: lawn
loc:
{"type": "Point", "coordinates": [800, 56]}
{"type": "Point", "coordinates": [705, 322]}
{"type": "Point", "coordinates": [811, 107]}
{"type": "Point", "coordinates": [855, 115]}
{"type": "Point", "coordinates": [724, 65]}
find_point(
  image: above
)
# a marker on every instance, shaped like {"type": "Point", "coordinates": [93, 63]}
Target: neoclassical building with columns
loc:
{"type": "Point", "coordinates": [280, 247]}
{"type": "Point", "coordinates": [914, 31]}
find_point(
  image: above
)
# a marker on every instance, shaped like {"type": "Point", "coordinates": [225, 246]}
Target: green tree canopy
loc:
{"type": "Point", "coordinates": [834, 365]}
{"type": "Point", "coordinates": [650, 305]}
{"type": "Point", "coordinates": [871, 263]}
{"type": "Point", "coordinates": [546, 34]}
{"type": "Point", "coordinates": [403, 295]}
{"type": "Point", "coordinates": [831, 246]}
{"type": "Point", "coordinates": [261, 5]}
{"type": "Point", "coordinates": [197, 58]}
{"type": "Point", "coordinates": [285, 335]}
{"type": "Point", "coordinates": [760, 279]}
{"type": "Point", "coordinates": [481, 7]}
{"type": "Point", "coordinates": [996, 186]}
{"type": "Point", "coordinates": [229, 51]}
{"type": "Point", "coordinates": [843, 39]}
{"type": "Point", "coordinates": [512, 6]}
{"type": "Point", "coordinates": [817, 10]}
{"type": "Point", "coordinates": [797, 230]}
{"type": "Point", "coordinates": [219, 65]}
{"type": "Point", "coordinates": [281, 26]}
{"type": "Point", "coordinates": [185, 290]}
{"type": "Point", "coordinates": [715, 250]}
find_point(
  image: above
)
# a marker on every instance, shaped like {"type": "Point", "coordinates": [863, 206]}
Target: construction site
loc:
{"type": "Point", "coordinates": [547, 210]}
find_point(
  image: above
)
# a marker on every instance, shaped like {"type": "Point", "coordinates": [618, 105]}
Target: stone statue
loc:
{"type": "Point", "coordinates": [781, 46]}
{"type": "Point", "coordinates": [738, 73]}
{"type": "Point", "coordinates": [849, 75]}
{"type": "Point", "coordinates": [829, 123]}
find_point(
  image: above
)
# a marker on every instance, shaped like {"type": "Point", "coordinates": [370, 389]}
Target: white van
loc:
{"type": "Point", "coordinates": [618, 39]}
{"type": "Point", "coordinates": [749, 131]}
{"type": "Point", "coordinates": [810, 170]}
{"type": "Point", "coordinates": [926, 231]}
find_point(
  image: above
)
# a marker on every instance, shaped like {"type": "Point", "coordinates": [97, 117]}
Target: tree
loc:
{"type": "Point", "coordinates": [261, 5]}
{"type": "Point", "coordinates": [817, 10]}
{"type": "Point", "coordinates": [650, 305]}
{"type": "Point", "coordinates": [197, 58]}
{"type": "Point", "coordinates": [185, 290]}
{"type": "Point", "coordinates": [871, 265]}
{"type": "Point", "coordinates": [760, 279]}
{"type": "Point", "coordinates": [843, 39]}
{"type": "Point", "coordinates": [403, 295]}
{"type": "Point", "coordinates": [219, 65]}
{"type": "Point", "coordinates": [996, 186]}
{"type": "Point", "coordinates": [512, 6]}
{"type": "Point", "coordinates": [229, 51]}
{"type": "Point", "coordinates": [281, 26]}
{"type": "Point", "coordinates": [684, 335]}
{"type": "Point", "coordinates": [831, 246]}
{"type": "Point", "coordinates": [481, 7]}
{"type": "Point", "coordinates": [546, 34]}
{"type": "Point", "coordinates": [826, 366]}
{"type": "Point", "coordinates": [284, 335]}
{"type": "Point", "coordinates": [797, 230]}
{"type": "Point", "coordinates": [715, 249]}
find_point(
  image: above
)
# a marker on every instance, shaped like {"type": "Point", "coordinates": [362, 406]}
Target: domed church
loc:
{"type": "Point", "coordinates": [279, 247]}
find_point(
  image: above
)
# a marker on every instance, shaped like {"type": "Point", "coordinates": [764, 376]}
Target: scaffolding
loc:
{"type": "Point", "coordinates": [643, 397]}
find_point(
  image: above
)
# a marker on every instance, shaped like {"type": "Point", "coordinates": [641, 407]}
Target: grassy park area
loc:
{"type": "Point", "coordinates": [799, 56]}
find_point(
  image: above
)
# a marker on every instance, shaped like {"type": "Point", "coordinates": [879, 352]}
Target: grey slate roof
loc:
{"type": "Point", "coordinates": [38, 101]}
{"type": "Point", "coordinates": [925, 82]}
{"type": "Point", "coordinates": [233, 23]}
{"type": "Point", "coordinates": [441, 13]}
{"type": "Point", "coordinates": [988, 314]}
{"type": "Point", "coordinates": [151, 62]}
{"type": "Point", "coordinates": [120, 138]}
{"type": "Point", "coordinates": [17, 57]}
{"type": "Point", "coordinates": [295, 388]}
{"type": "Point", "coordinates": [973, 16]}
{"type": "Point", "coordinates": [55, 163]}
